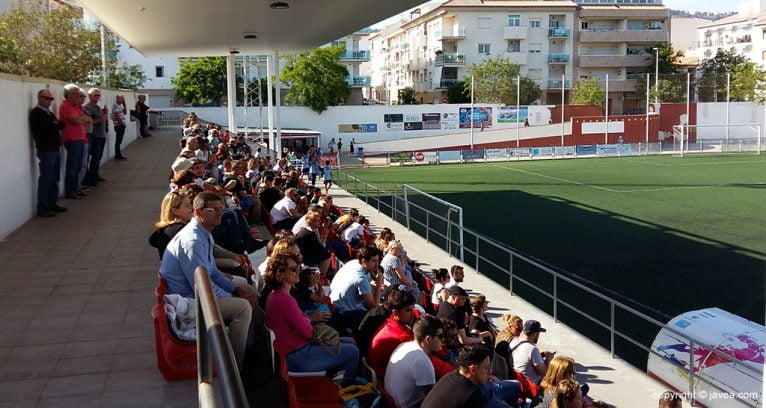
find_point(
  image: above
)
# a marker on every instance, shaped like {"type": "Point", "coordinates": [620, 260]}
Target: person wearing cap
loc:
{"type": "Point", "coordinates": [453, 310]}
{"type": "Point", "coordinates": [527, 358]}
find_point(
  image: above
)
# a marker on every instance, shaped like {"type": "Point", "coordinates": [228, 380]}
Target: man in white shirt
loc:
{"type": "Point", "coordinates": [527, 358]}
{"type": "Point", "coordinates": [410, 374]}
{"type": "Point", "coordinates": [285, 212]}
{"type": "Point", "coordinates": [354, 233]}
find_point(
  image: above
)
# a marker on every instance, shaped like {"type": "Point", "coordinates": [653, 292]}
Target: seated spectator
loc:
{"type": "Point", "coordinates": [394, 273]}
{"type": "Point", "coordinates": [568, 395]}
{"type": "Point", "coordinates": [193, 247]}
{"type": "Point", "coordinates": [460, 388]}
{"type": "Point", "coordinates": [294, 330]}
{"type": "Point", "coordinates": [311, 239]}
{"type": "Point", "coordinates": [267, 193]}
{"type": "Point", "coordinates": [354, 233]}
{"type": "Point", "coordinates": [308, 292]}
{"type": "Point", "coordinates": [450, 348]}
{"type": "Point", "coordinates": [375, 318]}
{"type": "Point", "coordinates": [527, 358]}
{"type": "Point", "coordinates": [670, 399]}
{"type": "Point", "coordinates": [283, 245]}
{"type": "Point", "coordinates": [409, 375]}
{"type": "Point", "coordinates": [351, 290]}
{"type": "Point", "coordinates": [512, 330]}
{"type": "Point", "coordinates": [385, 235]}
{"type": "Point", "coordinates": [453, 310]}
{"type": "Point", "coordinates": [285, 212]}
{"type": "Point", "coordinates": [335, 212]}
{"type": "Point", "coordinates": [439, 293]}
{"type": "Point", "coordinates": [479, 323]}
{"type": "Point", "coordinates": [561, 368]}
{"type": "Point", "coordinates": [456, 276]}
{"type": "Point", "coordinates": [396, 330]}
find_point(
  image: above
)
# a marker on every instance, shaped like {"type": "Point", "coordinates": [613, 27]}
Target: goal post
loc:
{"type": "Point", "coordinates": [439, 219]}
{"type": "Point", "coordinates": [717, 138]}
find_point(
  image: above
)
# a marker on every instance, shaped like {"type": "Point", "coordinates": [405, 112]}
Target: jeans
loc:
{"type": "Point", "coordinates": [74, 153]}
{"type": "Point", "coordinates": [119, 131]}
{"type": "Point", "coordinates": [96, 152]}
{"type": "Point", "coordinates": [313, 357]}
{"type": "Point", "coordinates": [48, 181]}
{"type": "Point", "coordinates": [501, 394]}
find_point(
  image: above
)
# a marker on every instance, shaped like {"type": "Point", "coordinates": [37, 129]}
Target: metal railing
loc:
{"type": "Point", "coordinates": [391, 204]}
{"type": "Point", "coordinates": [212, 340]}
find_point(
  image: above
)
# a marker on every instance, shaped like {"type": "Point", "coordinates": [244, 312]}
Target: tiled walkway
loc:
{"type": "Point", "coordinates": [76, 291]}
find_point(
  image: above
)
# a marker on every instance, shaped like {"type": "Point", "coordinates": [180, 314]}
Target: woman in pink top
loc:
{"type": "Point", "coordinates": [293, 329]}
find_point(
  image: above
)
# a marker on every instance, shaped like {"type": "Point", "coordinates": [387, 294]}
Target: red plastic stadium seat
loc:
{"type": "Point", "coordinates": [389, 398]}
{"type": "Point", "coordinates": [314, 391]}
{"type": "Point", "coordinates": [176, 359]}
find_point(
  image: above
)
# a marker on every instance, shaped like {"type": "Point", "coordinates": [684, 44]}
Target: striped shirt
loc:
{"type": "Point", "coordinates": [118, 114]}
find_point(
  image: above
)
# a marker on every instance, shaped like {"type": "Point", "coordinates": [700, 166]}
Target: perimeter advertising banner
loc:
{"type": "Point", "coordinates": [542, 151]}
{"type": "Point", "coordinates": [426, 157]}
{"type": "Point", "coordinates": [496, 153]}
{"type": "Point", "coordinates": [400, 157]}
{"type": "Point", "coordinates": [449, 121]}
{"type": "Point", "coordinates": [559, 151]}
{"type": "Point", "coordinates": [393, 122]}
{"type": "Point", "coordinates": [358, 128]}
{"type": "Point", "coordinates": [413, 125]}
{"type": "Point", "coordinates": [475, 154]}
{"type": "Point", "coordinates": [482, 117]}
{"type": "Point", "coordinates": [508, 114]}
{"type": "Point", "coordinates": [519, 152]}
{"type": "Point", "coordinates": [584, 150]}
{"type": "Point", "coordinates": [431, 121]}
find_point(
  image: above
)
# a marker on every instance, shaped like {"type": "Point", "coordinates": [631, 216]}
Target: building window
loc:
{"type": "Point", "coordinates": [484, 49]}
{"type": "Point", "coordinates": [584, 26]}
{"type": "Point", "coordinates": [485, 23]}
{"type": "Point", "coordinates": [514, 20]}
{"type": "Point", "coordinates": [535, 48]}
{"type": "Point", "coordinates": [514, 45]}
{"type": "Point", "coordinates": [535, 73]}
{"type": "Point", "coordinates": [159, 71]}
{"type": "Point", "coordinates": [535, 23]}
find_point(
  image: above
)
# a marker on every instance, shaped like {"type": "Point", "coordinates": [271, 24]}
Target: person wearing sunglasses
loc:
{"type": "Point", "coordinates": [45, 129]}
{"type": "Point", "coordinates": [74, 138]}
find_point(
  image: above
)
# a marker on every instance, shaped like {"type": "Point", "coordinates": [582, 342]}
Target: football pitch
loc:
{"type": "Point", "coordinates": [664, 234]}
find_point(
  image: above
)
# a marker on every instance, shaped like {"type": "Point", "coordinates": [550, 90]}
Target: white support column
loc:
{"type": "Point", "coordinates": [563, 125]}
{"type": "Point", "coordinates": [606, 111]}
{"type": "Point", "coordinates": [728, 93]}
{"type": "Point", "coordinates": [277, 97]}
{"type": "Point", "coordinates": [270, 110]}
{"type": "Point", "coordinates": [688, 115]}
{"type": "Point", "coordinates": [471, 114]}
{"type": "Point", "coordinates": [647, 113]}
{"type": "Point", "coordinates": [518, 108]}
{"type": "Point", "coordinates": [231, 94]}
{"type": "Point", "coordinates": [245, 73]}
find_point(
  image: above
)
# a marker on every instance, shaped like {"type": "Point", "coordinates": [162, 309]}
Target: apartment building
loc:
{"type": "Point", "coordinates": [615, 38]}
{"type": "Point", "coordinates": [431, 51]}
{"type": "Point", "coordinates": [356, 59]}
{"type": "Point", "coordinates": [546, 38]}
{"type": "Point", "coordinates": [745, 32]}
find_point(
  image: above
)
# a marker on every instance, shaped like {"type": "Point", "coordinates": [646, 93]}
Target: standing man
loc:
{"type": "Point", "coordinates": [331, 145]}
{"type": "Point", "coordinates": [96, 137]}
{"type": "Point", "coordinates": [118, 117]}
{"type": "Point", "coordinates": [142, 111]}
{"type": "Point", "coordinates": [340, 146]}
{"type": "Point", "coordinates": [192, 247]}
{"type": "Point", "coordinates": [73, 135]}
{"type": "Point", "coordinates": [351, 147]}
{"type": "Point", "coordinates": [45, 129]}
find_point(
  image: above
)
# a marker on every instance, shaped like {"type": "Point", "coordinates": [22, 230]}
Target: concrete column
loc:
{"type": "Point", "coordinates": [270, 110]}
{"type": "Point", "coordinates": [277, 97]}
{"type": "Point", "coordinates": [231, 94]}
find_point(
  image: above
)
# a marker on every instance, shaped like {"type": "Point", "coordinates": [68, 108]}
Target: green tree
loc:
{"type": "Point", "coordinates": [201, 80]}
{"type": "Point", "coordinates": [456, 93]}
{"type": "Point", "coordinates": [588, 92]}
{"type": "Point", "coordinates": [669, 72]}
{"type": "Point", "coordinates": [124, 76]}
{"type": "Point", "coordinates": [55, 44]}
{"type": "Point", "coordinates": [316, 78]}
{"type": "Point", "coordinates": [712, 83]}
{"type": "Point", "coordinates": [406, 96]}
{"type": "Point", "coordinates": [495, 82]}
{"type": "Point", "coordinates": [668, 59]}
{"type": "Point", "coordinates": [748, 83]}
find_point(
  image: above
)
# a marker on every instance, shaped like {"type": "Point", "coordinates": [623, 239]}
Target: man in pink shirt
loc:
{"type": "Point", "coordinates": [74, 138]}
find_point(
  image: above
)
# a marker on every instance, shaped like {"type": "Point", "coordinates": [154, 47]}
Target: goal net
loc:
{"type": "Point", "coordinates": [731, 138]}
{"type": "Point", "coordinates": [437, 220]}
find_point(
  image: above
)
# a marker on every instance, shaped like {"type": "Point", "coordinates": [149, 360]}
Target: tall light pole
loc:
{"type": "Point", "coordinates": [656, 74]}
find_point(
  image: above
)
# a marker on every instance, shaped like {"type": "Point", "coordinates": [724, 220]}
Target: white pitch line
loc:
{"type": "Point", "coordinates": [696, 164]}
{"type": "Point", "coordinates": [558, 179]}
{"type": "Point", "coordinates": [664, 189]}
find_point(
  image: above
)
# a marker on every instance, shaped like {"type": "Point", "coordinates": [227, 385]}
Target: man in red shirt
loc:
{"type": "Point", "coordinates": [396, 330]}
{"type": "Point", "coordinates": [74, 138]}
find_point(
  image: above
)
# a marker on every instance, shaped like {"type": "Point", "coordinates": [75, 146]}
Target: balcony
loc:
{"type": "Point", "coordinates": [559, 32]}
{"type": "Point", "coordinates": [556, 83]}
{"type": "Point", "coordinates": [614, 61]}
{"type": "Point", "coordinates": [518, 58]}
{"type": "Point", "coordinates": [450, 33]}
{"type": "Point", "coordinates": [654, 36]}
{"type": "Point", "coordinates": [356, 81]}
{"type": "Point", "coordinates": [446, 83]}
{"type": "Point", "coordinates": [558, 58]}
{"type": "Point", "coordinates": [449, 59]}
{"type": "Point", "coordinates": [514, 32]}
{"type": "Point", "coordinates": [355, 55]}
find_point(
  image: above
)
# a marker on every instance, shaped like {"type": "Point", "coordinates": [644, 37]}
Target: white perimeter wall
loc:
{"type": "Point", "coordinates": [18, 163]}
{"type": "Point", "coordinates": [714, 113]}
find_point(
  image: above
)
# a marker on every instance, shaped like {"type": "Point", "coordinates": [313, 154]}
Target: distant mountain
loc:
{"type": "Point", "coordinates": [707, 15]}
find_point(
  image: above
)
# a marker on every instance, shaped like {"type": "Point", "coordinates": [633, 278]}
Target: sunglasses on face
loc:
{"type": "Point", "coordinates": [48, 98]}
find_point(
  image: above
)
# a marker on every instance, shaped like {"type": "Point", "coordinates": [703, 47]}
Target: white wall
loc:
{"type": "Point", "coordinates": [714, 113]}
{"type": "Point", "coordinates": [18, 163]}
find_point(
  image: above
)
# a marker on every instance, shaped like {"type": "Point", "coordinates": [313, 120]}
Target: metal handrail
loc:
{"type": "Point", "coordinates": [212, 340]}
{"type": "Point", "coordinates": [614, 305]}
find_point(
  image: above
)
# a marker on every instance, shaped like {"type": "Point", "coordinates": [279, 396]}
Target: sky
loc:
{"type": "Point", "coordinates": [688, 5]}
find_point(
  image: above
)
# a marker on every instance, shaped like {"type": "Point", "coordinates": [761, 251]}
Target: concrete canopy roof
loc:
{"type": "Point", "coordinates": [208, 28]}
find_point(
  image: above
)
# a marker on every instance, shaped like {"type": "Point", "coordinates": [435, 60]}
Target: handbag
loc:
{"type": "Point", "coordinates": [325, 336]}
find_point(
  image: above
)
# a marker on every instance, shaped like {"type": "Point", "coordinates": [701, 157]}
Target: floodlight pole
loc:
{"type": "Point", "coordinates": [657, 75]}
{"type": "Point", "coordinates": [471, 114]}
{"type": "Point", "coordinates": [688, 116]}
{"type": "Point", "coordinates": [270, 110]}
{"type": "Point", "coordinates": [606, 112]}
{"type": "Point", "coordinates": [728, 94]}
{"type": "Point", "coordinates": [277, 96]}
{"type": "Point", "coordinates": [245, 71]}
{"type": "Point", "coordinates": [518, 107]}
{"type": "Point", "coordinates": [563, 126]}
{"type": "Point", "coordinates": [647, 113]}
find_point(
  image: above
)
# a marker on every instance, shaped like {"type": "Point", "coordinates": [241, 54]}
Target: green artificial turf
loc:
{"type": "Point", "coordinates": [661, 233]}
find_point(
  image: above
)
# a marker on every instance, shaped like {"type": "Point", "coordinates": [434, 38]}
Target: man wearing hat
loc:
{"type": "Point", "coordinates": [453, 310]}
{"type": "Point", "coordinates": [527, 358]}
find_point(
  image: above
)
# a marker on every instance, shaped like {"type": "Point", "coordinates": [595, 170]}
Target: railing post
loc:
{"type": "Point", "coordinates": [366, 192]}
{"type": "Point", "coordinates": [477, 254]}
{"type": "Point", "coordinates": [204, 358]}
{"type": "Point", "coordinates": [510, 274]}
{"type": "Point", "coordinates": [427, 226]}
{"type": "Point", "coordinates": [377, 197]}
{"type": "Point", "coordinates": [692, 400]}
{"type": "Point", "coordinates": [611, 329]}
{"type": "Point", "coordinates": [555, 299]}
